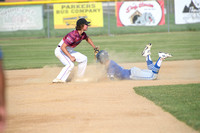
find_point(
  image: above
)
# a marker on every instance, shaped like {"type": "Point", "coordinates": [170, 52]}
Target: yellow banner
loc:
{"type": "Point", "coordinates": [38, 2]}
{"type": "Point", "coordinates": [66, 15]}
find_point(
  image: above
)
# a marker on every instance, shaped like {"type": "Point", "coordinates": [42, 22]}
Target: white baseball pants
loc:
{"type": "Point", "coordinates": [142, 74]}
{"type": "Point", "coordinates": [69, 65]}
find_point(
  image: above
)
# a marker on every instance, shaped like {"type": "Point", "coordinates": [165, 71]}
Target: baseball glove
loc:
{"type": "Point", "coordinates": [96, 51]}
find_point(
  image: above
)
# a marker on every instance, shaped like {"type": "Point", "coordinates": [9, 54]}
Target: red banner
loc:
{"type": "Point", "coordinates": [140, 13]}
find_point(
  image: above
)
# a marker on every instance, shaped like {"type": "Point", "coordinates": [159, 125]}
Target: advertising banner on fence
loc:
{"type": "Point", "coordinates": [187, 11]}
{"type": "Point", "coordinates": [66, 15]}
{"type": "Point", "coordinates": [21, 18]}
{"type": "Point", "coordinates": [140, 13]}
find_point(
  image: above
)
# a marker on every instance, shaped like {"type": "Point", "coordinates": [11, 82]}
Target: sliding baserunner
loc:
{"type": "Point", "coordinates": [116, 71]}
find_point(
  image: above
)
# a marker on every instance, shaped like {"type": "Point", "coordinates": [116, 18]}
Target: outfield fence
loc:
{"type": "Point", "coordinates": [109, 24]}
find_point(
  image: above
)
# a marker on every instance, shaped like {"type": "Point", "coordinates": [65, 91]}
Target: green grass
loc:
{"type": "Point", "coordinates": [36, 53]}
{"type": "Point", "coordinates": [182, 101]}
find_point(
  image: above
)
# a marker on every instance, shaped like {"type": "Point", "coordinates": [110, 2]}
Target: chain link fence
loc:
{"type": "Point", "coordinates": [110, 24]}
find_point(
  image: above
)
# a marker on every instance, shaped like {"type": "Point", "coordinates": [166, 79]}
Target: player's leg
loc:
{"type": "Point", "coordinates": [149, 62]}
{"type": "Point", "coordinates": [162, 56]}
{"type": "Point", "coordinates": [154, 68]}
{"type": "Point", "coordinates": [142, 74]}
{"type": "Point", "coordinates": [137, 73]}
{"type": "Point", "coordinates": [146, 53]}
{"type": "Point", "coordinates": [69, 65]}
{"type": "Point", "coordinates": [82, 63]}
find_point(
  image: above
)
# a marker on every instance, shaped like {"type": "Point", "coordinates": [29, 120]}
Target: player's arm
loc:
{"type": "Point", "coordinates": [96, 49]}
{"type": "Point", "coordinates": [110, 70]}
{"type": "Point", "coordinates": [64, 49]}
{"type": "Point", "coordinates": [110, 74]}
{"type": "Point", "coordinates": [111, 77]}
{"type": "Point", "coordinates": [90, 42]}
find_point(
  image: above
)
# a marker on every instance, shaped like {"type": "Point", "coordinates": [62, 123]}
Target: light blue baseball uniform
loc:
{"type": "Point", "coordinates": [116, 71]}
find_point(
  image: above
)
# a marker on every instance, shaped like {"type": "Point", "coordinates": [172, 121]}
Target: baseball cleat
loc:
{"type": "Point", "coordinates": [146, 50]}
{"type": "Point", "coordinates": [164, 55]}
{"type": "Point", "coordinates": [58, 81]}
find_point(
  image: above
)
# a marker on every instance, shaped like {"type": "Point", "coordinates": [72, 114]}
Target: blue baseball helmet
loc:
{"type": "Point", "coordinates": [102, 56]}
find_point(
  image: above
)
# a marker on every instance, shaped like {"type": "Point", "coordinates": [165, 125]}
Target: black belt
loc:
{"type": "Point", "coordinates": [58, 45]}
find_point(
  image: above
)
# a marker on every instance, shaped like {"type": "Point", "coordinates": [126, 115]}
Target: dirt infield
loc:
{"type": "Point", "coordinates": [35, 105]}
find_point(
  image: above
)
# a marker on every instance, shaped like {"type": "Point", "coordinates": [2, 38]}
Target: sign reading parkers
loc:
{"type": "Point", "coordinates": [66, 15]}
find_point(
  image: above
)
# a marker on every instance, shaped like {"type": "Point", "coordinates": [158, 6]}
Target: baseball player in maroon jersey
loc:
{"type": "Point", "coordinates": [66, 54]}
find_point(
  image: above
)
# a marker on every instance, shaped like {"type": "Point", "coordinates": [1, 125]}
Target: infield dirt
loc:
{"type": "Point", "coordinates": [35, 105]}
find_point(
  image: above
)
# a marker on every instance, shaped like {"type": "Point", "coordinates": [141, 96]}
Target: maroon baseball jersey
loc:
{"type": "Point", "coordinates": [73, 38]}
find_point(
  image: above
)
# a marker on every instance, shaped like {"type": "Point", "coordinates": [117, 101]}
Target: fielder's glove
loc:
{"type": "Point", "coordinates": [96, 51]}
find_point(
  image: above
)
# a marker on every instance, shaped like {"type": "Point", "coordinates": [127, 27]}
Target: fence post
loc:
{"type": "Point", "coordinates": [108, 18]}
{"type": "Point", "coordinates": [168, 15]}
{"type": "Point", "coordinates": [48, 27]}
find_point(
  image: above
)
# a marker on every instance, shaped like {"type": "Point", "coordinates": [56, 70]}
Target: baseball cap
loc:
{"type": "Point", "coordinates": [82, 21]}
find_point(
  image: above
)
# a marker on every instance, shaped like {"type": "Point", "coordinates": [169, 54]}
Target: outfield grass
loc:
{"type": "Point", "coordinates": [36, 53]}
{"type": "Point", "coordinates": [182, 101]}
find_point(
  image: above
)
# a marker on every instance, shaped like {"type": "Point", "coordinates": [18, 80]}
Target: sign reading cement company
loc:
{"type": "Point", "coordinates": [66, 15]}
{"type": "Point", "coordinates": [140, 13]}
{"type": "Point", "coordinates": [187, 11]}
{"type": "Point", "coordinates": [21, 18]}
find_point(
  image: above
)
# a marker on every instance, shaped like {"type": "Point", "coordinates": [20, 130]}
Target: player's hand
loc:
{"type": "Point", "coordinates": [111, 77]}
{"type": "Point", "coordinates": [72, 58]}
{"type": "Point", "coordinates": [96, 51]}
